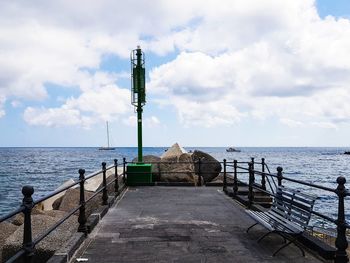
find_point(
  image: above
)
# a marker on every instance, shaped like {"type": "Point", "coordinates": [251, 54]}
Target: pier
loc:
{"type": "Point", "coordinates": [189, 224]}
{"type": "Point", "coordinates": [176, 222]}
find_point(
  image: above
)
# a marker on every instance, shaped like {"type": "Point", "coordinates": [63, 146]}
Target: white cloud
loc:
{"type": "Point", "coordinates": [130, 121]}
{"type": "Point", "coordinates": [267, 59]}
{"type": "Point", "coordinates": [208, 114]}
{"type": "Point", "coordinates": [101, 100]}
{"type": "Point", "coordinates": [236, 59]}
{"type": "Point", "coordinates": [291, 123]}
{"type": "Point", "coordinates": [54, 117]}
{"type": "Point", "coordinates": [2, 102]}
{"type": "Point", "coordinates": [152, 122]}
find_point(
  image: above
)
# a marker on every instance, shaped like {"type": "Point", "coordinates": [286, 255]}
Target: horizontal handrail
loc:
{"type": "Point", "coordinates": [52, 228]}
{"type": "Point", "coordinates": [291, 180]}
{"type": "Point", "coordinates": [340, 191]}
{"type": "Point", "coordinates": [11, 214]}
{"type": "Point", "coordinates": [235, 166]}
{"type": "Point", "coordinates": [29, 203]}
{"type": "Point", "coordinates": [41, 199]}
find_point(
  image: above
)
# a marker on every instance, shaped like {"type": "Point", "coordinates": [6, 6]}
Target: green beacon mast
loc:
{"type": "Point", "coordinates": [138, 92]}
{"type": "Point", "coordinates": [138, 173]}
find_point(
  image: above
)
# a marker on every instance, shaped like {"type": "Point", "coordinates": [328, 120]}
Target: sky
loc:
{"type": "Point", "coordinates": [239, 73]}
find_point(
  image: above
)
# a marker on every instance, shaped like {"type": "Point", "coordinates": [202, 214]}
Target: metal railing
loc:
{"type": "Point", "coordinates": [28, 246]}
{"type": "Point", "coordinates": [340, 191]}
{"type": "Point", "coordinates": [198, 169]}
{"type": "Point", "coordinates": [237, 172]}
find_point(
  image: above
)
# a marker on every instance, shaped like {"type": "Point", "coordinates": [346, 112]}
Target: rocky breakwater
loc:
{"type": "Point", "coordinates": [48, 213]}
{"type": "Point", "coordinates": [177, 165]}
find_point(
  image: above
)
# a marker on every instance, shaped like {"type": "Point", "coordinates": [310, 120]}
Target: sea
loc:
{"type": "Point", "coordinates": [47, 168]}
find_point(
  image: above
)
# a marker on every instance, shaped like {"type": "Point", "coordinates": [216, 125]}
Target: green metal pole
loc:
{"type": "Point", "coordinates": [139, 132]}
{"type": "Point", "coordinates": [139, 106]}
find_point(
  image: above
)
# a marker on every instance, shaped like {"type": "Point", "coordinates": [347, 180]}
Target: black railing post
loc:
{"type": "Point", "coordinates": [124, 170]}
{"type": "Point", "coordinates": [116, 183]}
{"type": "Point", "coordinates": [28, 204]}
{"type": "Point", "coordinates": [279, 175]}
{"type": "Point", "coordinates": [252, 158]}
{"type": "Point", "coordinates": [224, 187]}
{"type": "Point", "coordinates": [199, 173]}
{"type": "Point", "coordinates": [263, 176]}
{"type": "Point", "coordinates": [341, 242]}
{"type": "Point", "coordinates": [250, 186]}
{"type": "Point", "coordinates": [104, 191]}
{"type": "Point", "coordinates": [235, 180]}
{"type": "Point", "coordinates": [82, 216]}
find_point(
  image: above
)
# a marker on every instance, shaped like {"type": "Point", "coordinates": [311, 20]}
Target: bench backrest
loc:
{"type": "Point", "coordinates": [293, 205]}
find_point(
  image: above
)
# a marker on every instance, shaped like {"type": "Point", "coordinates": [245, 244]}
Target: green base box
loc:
{"type": "Point", "coordinates": [138, 173]}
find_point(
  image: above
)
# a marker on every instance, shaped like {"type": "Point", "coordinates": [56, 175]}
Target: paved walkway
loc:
{"type": "Point", "coordinates": [181, 224]}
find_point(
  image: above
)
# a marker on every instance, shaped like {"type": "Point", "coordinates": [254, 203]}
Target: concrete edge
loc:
{"type": "Point", "coordinates": [65, 253]}
{"type": "Point", "coordinates": [111, 200]}
{"type": "Point", "coordinates": [92, 221]}
{"type": "Point", "coordinates": [323, 249]}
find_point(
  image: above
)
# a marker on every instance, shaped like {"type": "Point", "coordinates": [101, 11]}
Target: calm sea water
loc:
{"type": "Point", "coordinates": [47, 168]}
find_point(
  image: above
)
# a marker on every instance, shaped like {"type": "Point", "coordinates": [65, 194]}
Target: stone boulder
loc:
{"type": "Point", "coordinates": [48, 203]}
{"type": "Point", "coordinates": [177, 169]}
{"type": "Point", "coordinates": [46, 248]}
{"type": "Point", "coordinates": [220, 178]}
{"type": "Point", "coordinates": [96, 183]}
{"type": "Point", "coordinates": [210, 167]}
{"type": "Point", "coordinates": [19, 218]}
{"type": "Point", "coordinates": [155, 160]}
{"type": "Point", "coordinates": [175, 150]}
{"type": "Point", "coordinates": [71, 200]}
{"type": "Point", "coordinates": [56, 204]}
{"type": "Point", "coordinates": [6, 229]}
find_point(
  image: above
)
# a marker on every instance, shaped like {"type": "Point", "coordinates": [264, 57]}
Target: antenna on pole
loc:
{"type": "Point", "coordinates": [138, 173]}
{"type": "Point", "coordinates": [138, 91]}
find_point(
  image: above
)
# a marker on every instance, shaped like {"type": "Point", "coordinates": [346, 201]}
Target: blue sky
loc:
{"type": "Point", "coordinates": [245, 73]}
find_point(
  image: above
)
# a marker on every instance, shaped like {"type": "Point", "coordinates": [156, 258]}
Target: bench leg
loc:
{"type": "Point", "coordinates": [290, 242]}
{"type": "Point", "coordinates": [251, 227]}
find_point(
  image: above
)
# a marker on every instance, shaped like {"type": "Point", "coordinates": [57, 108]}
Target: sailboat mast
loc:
{"type": "Point", "coordinates": [107, 135]}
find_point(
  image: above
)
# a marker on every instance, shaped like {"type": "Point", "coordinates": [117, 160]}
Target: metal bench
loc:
{"type": "Point", "coordinates": [288, 216]}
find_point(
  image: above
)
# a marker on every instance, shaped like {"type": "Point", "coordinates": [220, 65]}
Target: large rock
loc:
{"type": "Point", "coordinates": [57, 203]}
{"type": "Point", "coordinates": [154, 160]}
{"type": "Point", "coordinates": [71, 200]}
{"type": "Point", "coordinates": [148, 159]}
{"type": "Point", "coordinates": [175, 150]}
{"type": "Point", "coordinates": [19, 218]}
{"type": "Point", "coordinates": [210, 167]}
{"type": "Point", "coordinates": [46, 248]}
{"type": "Point", "coordinates": [47, 204]}
{"type": "Point", "coordinates": [96, 183]}
{"type": "Point", "coordinates": [220, 178]}
{"type": "Point", "coordinates": [177, 169]}
{"type": "Point", "coordinates": [6, 229]}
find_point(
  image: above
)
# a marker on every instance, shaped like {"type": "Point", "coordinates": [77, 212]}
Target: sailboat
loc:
{"type": "Point", "coordinates": [107, 148]}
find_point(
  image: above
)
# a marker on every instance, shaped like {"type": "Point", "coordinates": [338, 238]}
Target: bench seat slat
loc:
{"type": "Point", "coordinates": [274, 222]}
{"type": "Point", "coordinates": [290, 211]}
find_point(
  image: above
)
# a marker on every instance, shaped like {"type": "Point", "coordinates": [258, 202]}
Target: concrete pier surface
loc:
{"type": "Point", "coordinates": [181, 224]}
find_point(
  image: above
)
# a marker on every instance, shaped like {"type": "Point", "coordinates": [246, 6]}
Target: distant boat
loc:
{"type": "Point", "coordinates": [231, 149]}
{"type": "Point", "coordinates": [347, 152]}
{"type": "Point", "coordinates": [107, 148]}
